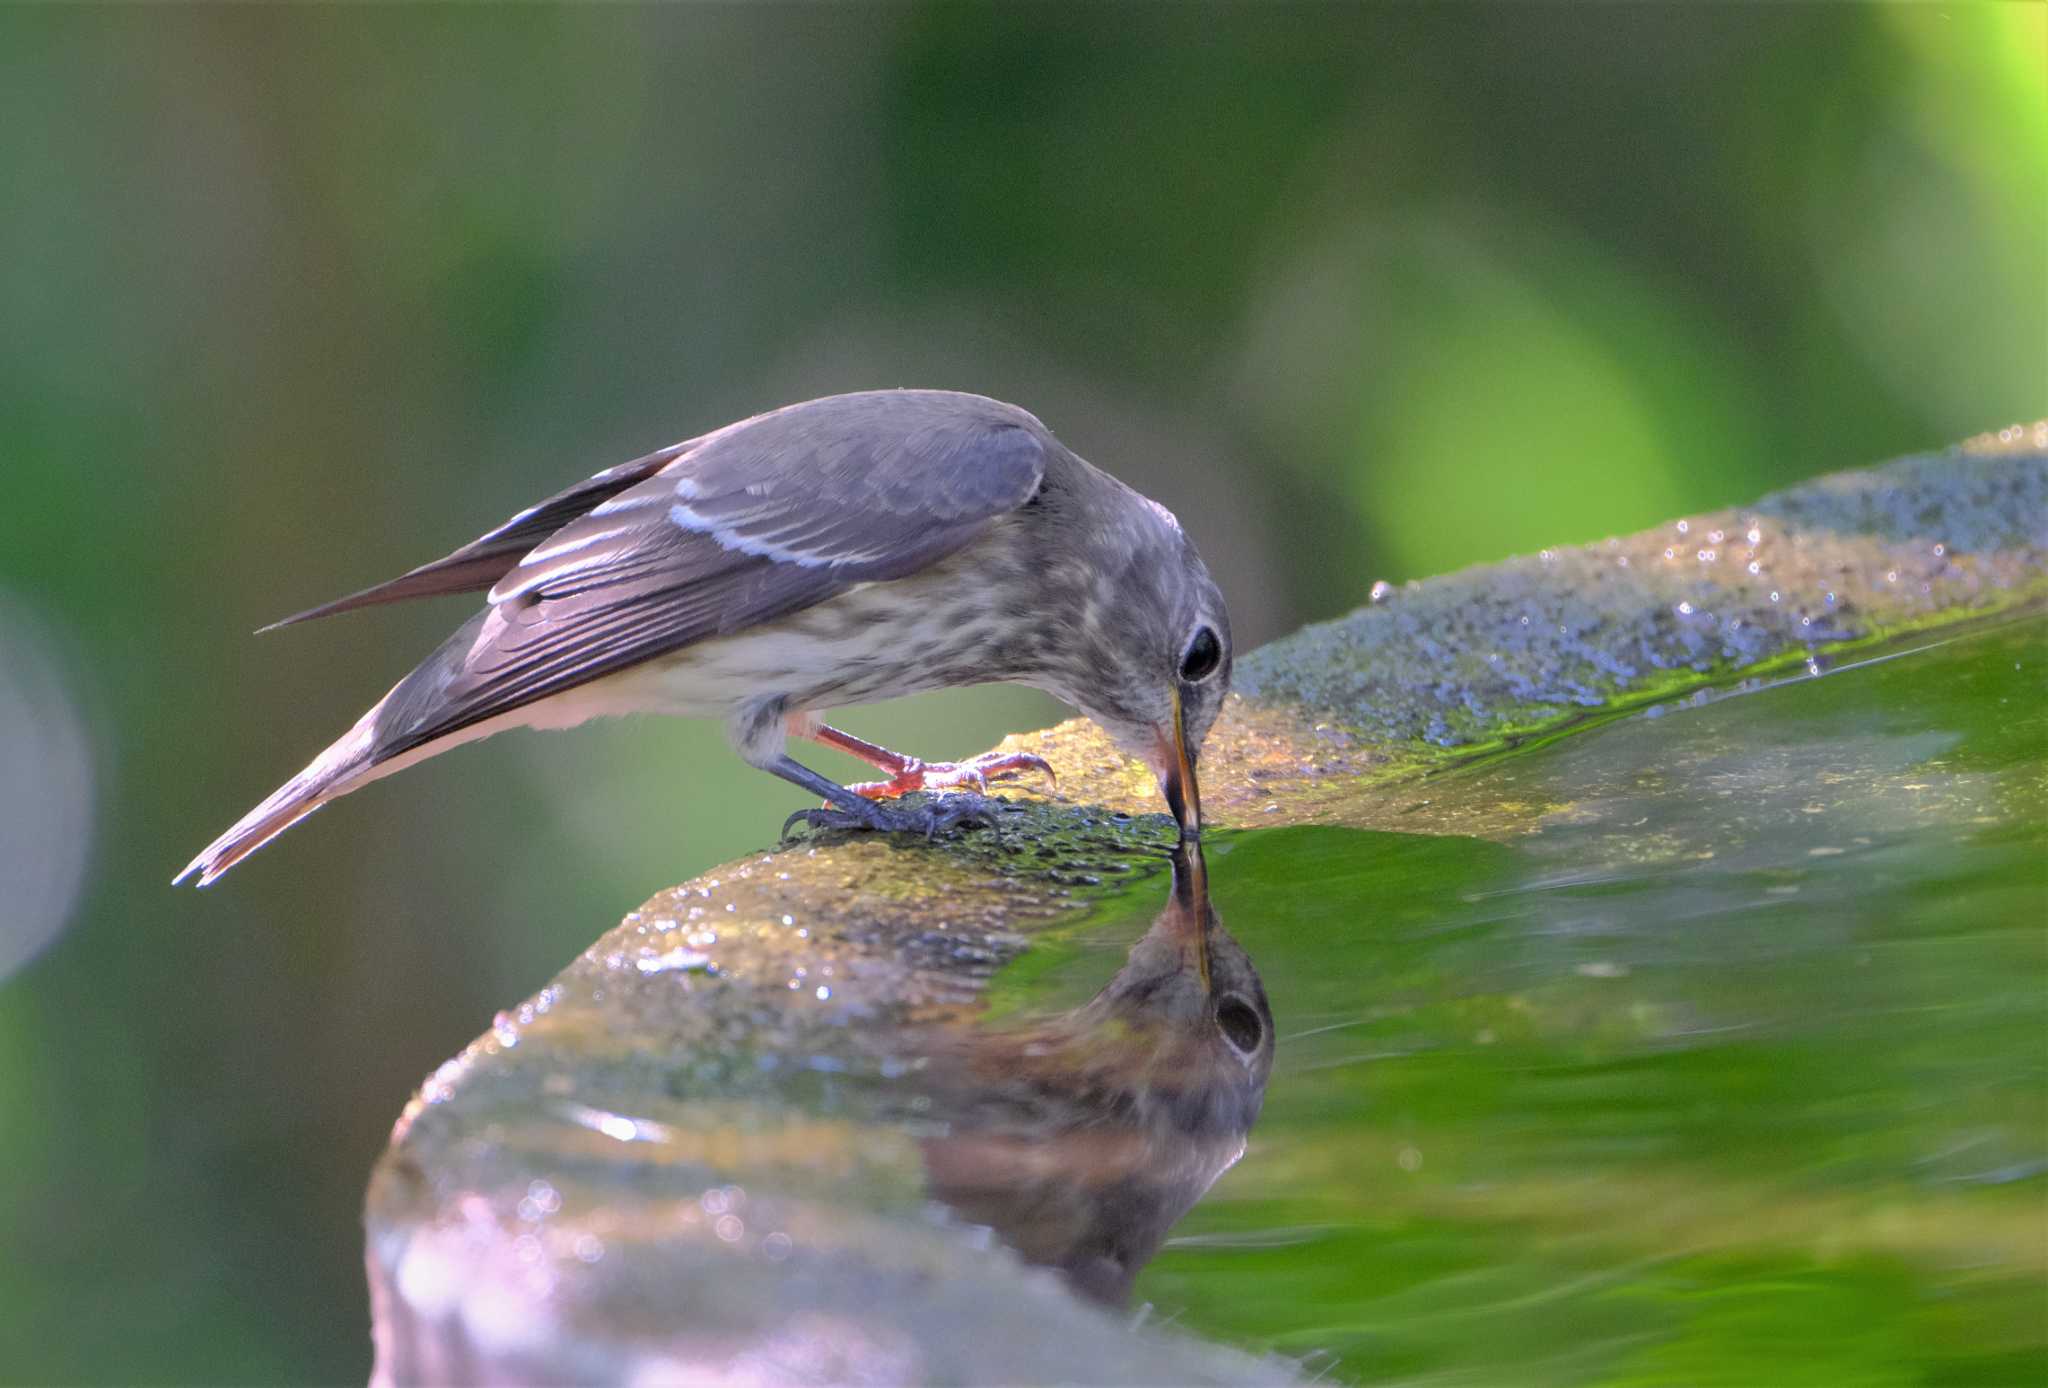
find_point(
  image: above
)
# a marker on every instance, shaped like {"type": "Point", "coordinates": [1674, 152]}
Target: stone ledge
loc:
{"type": "Point", "coordinates": [663, 1168]}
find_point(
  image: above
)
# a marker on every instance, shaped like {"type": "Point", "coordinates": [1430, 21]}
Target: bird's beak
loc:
{"type": "Point", "coordinates": [1183, 793]}
{"type": "Point", "coordinates": [1190, 906]}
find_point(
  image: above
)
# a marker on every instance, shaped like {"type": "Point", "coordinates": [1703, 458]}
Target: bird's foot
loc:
{"type": "Point", "coordinates": [948, 775]}
{"type": "Point", "coordinates": [930, 818]}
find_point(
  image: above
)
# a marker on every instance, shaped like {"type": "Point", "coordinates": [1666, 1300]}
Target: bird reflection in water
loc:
{"type": "Point", "coordinates": [1081, 1139]}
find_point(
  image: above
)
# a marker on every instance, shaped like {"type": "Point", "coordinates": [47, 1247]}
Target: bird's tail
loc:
{"type": "Point", "coordinates": [341, 768]}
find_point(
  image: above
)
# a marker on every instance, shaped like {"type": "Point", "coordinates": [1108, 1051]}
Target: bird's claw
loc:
{"type": "Point", "coordinates": [976, 772]}
{"type": "Point", "coordinates": [930, 818]}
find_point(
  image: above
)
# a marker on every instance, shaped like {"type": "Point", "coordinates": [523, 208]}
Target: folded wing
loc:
{"type": "Point", "coordinates": [483, 561]}
{"type": "Point", "coordinates": [751, 523]}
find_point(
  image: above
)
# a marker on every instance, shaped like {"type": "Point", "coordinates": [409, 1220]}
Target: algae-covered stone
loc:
{"type": "Point", "coordinates": [1335, 723]}
{"type": "Point", "coordinates": [1513, 647]}
{"type": "Point", "coordinates": [754, 1135]}
{"type": "Point", "coordinates": [763, 1131]}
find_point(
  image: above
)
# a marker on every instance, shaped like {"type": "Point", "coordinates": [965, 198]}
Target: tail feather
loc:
{"type": "Point", "coordinates": [385, 740]}
{"type": "Point", "coordinates": [336, 771]}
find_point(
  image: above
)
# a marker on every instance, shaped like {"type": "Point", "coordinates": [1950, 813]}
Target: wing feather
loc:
{"type": "Point", "coordinates": [486, 559]}
{"type": "Point", "coordinates": [754, 522]}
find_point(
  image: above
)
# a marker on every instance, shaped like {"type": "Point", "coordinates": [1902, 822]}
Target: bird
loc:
{"type": "Point", "coordinates": [1082, 1138]}
{"type": "Point", "coordinates": [825, 554]}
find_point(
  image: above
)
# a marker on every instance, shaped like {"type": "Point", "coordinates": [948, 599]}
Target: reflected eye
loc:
{"type": "Point", "coordinates": [1203, 655]}
{"type": "Point", "coordinates": [1240, 1025]}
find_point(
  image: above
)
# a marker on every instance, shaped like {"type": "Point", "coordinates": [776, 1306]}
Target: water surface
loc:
{"type": "Point", "coordinates": [1734, 1071]}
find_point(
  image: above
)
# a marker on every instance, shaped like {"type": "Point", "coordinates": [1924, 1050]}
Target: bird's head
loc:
{"type": "Point", "coordinates": [1083, 1137]}
{"type": "Point", "coordinates": [1189, 977]}
{"type": "Point", "coordinates": [1155, 654]}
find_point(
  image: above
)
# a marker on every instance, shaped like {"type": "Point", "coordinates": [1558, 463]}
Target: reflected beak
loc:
{"type": "Point", "coordinates": [1191, 901]}
{"type": "Point", "coordinates": [1183, 793]}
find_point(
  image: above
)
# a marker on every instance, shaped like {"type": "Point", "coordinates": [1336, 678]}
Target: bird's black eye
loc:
{"type": "Point", "coordinates": [1240, 1025]}
{"type": "Point", "coordinates": [1203, 655]}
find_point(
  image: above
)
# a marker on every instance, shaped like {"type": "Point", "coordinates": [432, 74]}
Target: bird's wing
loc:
{"type": "Point", "coordinates": [486, 559]}
{"type": "Point", "coordinates": [757, 521]}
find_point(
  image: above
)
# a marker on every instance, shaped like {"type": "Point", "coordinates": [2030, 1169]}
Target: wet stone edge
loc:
{"type": "Point", "coordinates": [1467, 660]}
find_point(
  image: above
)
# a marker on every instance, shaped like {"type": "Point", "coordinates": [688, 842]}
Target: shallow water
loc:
{"type": "Point", "coordinates": [1735, 1071]}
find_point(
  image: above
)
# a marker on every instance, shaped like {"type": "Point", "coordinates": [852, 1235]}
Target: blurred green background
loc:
{"type": "Point", "coordinates": [291, 300]}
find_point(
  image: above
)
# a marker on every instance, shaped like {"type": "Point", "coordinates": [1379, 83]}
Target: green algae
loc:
{"type": "Point", "coordinates": [1479, 658]}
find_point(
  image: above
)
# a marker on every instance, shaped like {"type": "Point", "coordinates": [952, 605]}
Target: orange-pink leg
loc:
{"type": "Point", "coordinates": [909, 773]}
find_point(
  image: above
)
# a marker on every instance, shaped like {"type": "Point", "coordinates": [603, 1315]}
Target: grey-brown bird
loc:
{"type": "Point", "coordinates": [1081, 1139]}
{"type": "Point", "coordinates": [835, 552]}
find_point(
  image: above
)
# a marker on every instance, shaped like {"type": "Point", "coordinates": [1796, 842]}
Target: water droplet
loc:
{"type": "Point", "coordinates": [678, 958]}
{"type": "Point", "coordinates": [1381, 590]}
{"type": "Point", "coordinates": [540, 1201]}
{"type": "Point", "coordinates": [824, 993]}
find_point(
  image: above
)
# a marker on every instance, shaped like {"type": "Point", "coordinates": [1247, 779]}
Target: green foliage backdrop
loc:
{"type": "Point", "coordinates": [292, 299]}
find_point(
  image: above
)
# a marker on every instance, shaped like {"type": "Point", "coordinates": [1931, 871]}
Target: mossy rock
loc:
{"type": "Point", "coordinates": [691, 1157]}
